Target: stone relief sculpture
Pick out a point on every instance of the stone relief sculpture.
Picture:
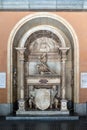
(43, 45)
(43, 87)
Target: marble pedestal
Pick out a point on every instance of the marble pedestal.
(21, 105)
(50, 112)
(64, 105)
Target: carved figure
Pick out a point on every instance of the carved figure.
(31, 102)
(56, 102)
(43, 67)
(43, 58)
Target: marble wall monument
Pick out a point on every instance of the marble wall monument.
(41, 75)
(43, 61)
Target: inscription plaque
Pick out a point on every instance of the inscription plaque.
(84, 80)
(2, 80)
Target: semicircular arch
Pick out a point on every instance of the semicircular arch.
(68, 30)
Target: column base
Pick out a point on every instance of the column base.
(21, 105)
(64, 105)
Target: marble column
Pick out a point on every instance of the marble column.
(63, 76)
(20, 56)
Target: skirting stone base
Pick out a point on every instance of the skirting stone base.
(81, 109)
(42, 113)
(6, 109)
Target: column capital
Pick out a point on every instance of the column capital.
(20, 51)
(63, 51)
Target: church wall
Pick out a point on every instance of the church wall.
(78, 20)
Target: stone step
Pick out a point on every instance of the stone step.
(43, 118)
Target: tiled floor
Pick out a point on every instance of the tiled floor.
(80, 124)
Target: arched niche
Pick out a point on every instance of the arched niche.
(43, 21)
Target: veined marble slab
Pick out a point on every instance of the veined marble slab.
(43, 80)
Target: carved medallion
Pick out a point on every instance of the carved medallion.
(42, 98)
